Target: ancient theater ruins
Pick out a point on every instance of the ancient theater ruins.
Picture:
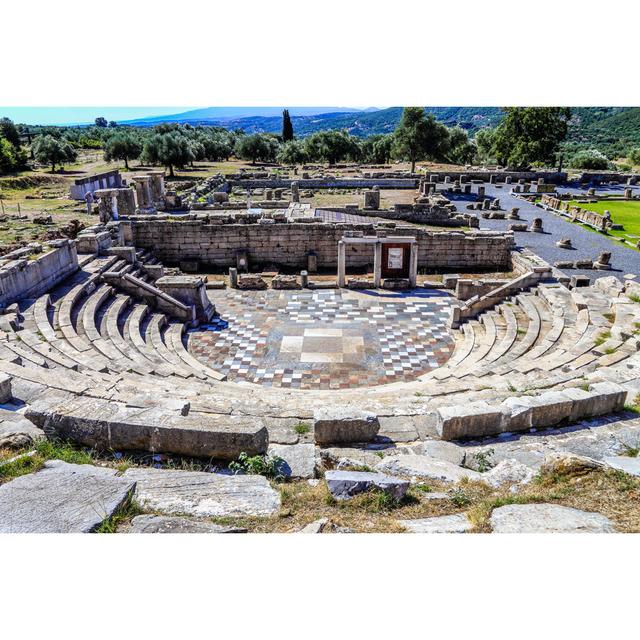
(429, 324)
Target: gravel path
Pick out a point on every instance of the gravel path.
(587, 244)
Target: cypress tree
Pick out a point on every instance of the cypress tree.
(287, 127)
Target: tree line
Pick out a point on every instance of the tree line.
(525, 137)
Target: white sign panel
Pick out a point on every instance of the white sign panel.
(394, 258)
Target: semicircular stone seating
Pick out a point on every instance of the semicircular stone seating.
(96, 365)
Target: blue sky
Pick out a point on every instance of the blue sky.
(82, 115)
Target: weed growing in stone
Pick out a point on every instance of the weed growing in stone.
(268, 466)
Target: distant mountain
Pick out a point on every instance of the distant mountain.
(308, 120)
(606, 128)
(220, 114)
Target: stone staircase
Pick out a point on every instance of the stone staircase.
(108, 369)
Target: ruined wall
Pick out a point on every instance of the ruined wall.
(591, 218)
(31, 278)
(211, 243)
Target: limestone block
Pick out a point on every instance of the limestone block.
(298, 460)
(458, 523)
(547, 518)
(335, 424)
(5, 388)
(425, 467)
(62, 498)
(475, 419)
(170, 524)
(203, 494)
(346, 484)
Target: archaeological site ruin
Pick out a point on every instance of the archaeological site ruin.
(369, 346)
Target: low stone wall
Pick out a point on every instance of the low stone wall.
(107, 180)
(211, 242)
(326, 183)
(522, 413)
(593, 219)
(554, 177)
(421, 214)
(30, 278)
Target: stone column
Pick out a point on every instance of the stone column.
(377, 264)
(295, 192)
(233, 277)
(413, 265)
(341, 264)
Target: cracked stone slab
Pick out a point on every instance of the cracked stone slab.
(624, 463)
(62, 498)
(547, 518)
(426, 467)
(458, 523)
(197, 493)
(346, 484)
(170, 524)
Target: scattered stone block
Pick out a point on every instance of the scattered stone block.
(508, 471)
(458, 523)
(547, 518)
(317, 526)
(346, 484)
(169, 524)
(475, 419)
(336, 424)
(202, 494)
(62, 498)
(298, 460)
(425, 467)
(5, 388)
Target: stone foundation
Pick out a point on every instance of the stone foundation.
(174, 240)
(32, 277)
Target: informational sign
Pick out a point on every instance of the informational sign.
(394, 258)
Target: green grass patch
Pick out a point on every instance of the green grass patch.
(622, 212)
(602, 338)
(125, 514)
(44, 450)
(301, 428)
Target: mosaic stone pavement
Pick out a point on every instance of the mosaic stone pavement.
(331, 339)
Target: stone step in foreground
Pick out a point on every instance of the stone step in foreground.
(458, 523)
(105, 424)
(196, 493)
(62, 498)
(547, 518)
(170, 524)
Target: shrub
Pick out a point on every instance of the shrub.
(590, 159)
(258, 465)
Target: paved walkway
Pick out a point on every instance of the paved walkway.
(587, 244)
(333, 339)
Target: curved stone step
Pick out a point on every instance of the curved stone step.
(174, 336)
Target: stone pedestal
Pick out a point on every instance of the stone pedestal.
(377, 264)
(233, 277)
(372, 198)
(191, 291)
(341, 263)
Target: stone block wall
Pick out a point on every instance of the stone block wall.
(33, 277)
(574, 212)
(288, 244)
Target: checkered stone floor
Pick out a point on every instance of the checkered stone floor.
(330, 339)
